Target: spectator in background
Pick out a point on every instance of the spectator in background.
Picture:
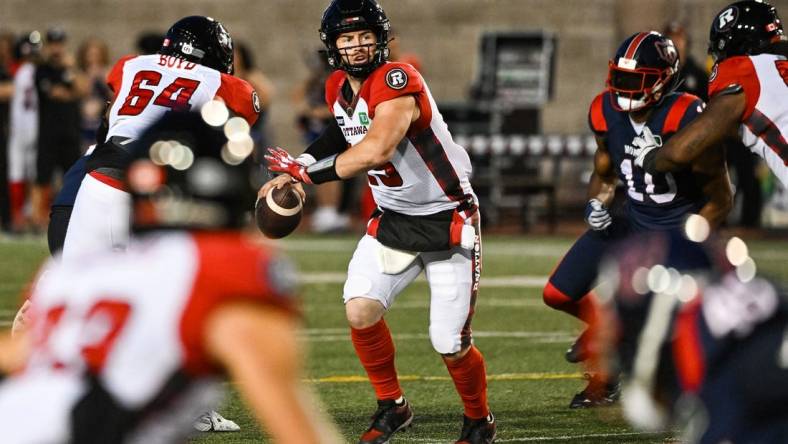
(23, 127)
(6, 92)
(743, 162)
(397, 55)
(313, 117)
(246, 69)
(60, 89)
(93, 62)
(694, 76)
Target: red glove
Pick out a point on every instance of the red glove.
(281, 161)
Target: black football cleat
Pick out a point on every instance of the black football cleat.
(388, 419)
(578, 352)
(477, 431)
(598, 393)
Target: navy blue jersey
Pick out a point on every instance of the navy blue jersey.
(656, 202)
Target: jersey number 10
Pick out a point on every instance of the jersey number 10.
(638, 195)
(175, 96)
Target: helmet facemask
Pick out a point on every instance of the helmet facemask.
(637, 88)
(337, 57)
(343, 16)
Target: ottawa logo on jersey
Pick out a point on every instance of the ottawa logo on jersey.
(396, 79)
(256, 102)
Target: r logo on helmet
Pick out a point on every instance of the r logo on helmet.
(727, 18)
(396, 79)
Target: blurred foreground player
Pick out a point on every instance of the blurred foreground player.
(386, 125)
(702, 343)
(194, 66)
(639, 98)
(133, 350)
(748, 91)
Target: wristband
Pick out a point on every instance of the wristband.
(324, 170)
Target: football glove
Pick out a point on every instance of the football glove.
(597, 216)
(644, 144)
(281, 161)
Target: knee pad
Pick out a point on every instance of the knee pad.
(445, 342)
(356, 286)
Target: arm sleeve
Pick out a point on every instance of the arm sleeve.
(240, 97)
(331, 142)
(115, 76)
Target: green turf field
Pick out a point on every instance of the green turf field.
(523, 341)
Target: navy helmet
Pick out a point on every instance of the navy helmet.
(185, 174)
(201, 40)
(643, 71)
(355, 15)
(744, 28)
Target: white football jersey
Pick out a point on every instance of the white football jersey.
(764, 128)
(24, 103)
(131, 330)
(148, 86)
(429, 171)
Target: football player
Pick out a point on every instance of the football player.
(133, 350)
(639, 98)
(748, 90)
(386, 125)
(702, 343)
(193, 66)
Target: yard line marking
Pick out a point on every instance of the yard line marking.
(530, 376)
(553, 438)
(525, 281)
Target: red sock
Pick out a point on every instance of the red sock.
(470, 379)
(375, 350)
(583, 309)
(16, 192)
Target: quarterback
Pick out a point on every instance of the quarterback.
(386, 125)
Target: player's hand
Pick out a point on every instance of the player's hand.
(279, 182)
(597, 216)
(644, 144)
(281, 161)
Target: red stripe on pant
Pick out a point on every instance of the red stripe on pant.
(16, 191)
(375, 349)
(470, 378)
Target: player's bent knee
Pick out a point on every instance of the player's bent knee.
(554, 297)
(445, 344)
(362, 312)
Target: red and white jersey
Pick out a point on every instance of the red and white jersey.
(148, 86)
(764, 129)
(133, 327)
(429, 171)
(24, 103)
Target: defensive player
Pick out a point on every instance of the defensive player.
(702, 348)
(387, 126)
(748, 90)
(639, 98)
(193, 66)
(131, 351)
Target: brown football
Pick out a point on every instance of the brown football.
(279, 213)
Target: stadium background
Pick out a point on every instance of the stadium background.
(530, 384)
(443, 33)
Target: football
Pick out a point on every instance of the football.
(279, 213)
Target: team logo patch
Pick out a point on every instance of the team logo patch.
(713, 74)
(396, 78)
(727, 19)
(256, 102)
(363, 118)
